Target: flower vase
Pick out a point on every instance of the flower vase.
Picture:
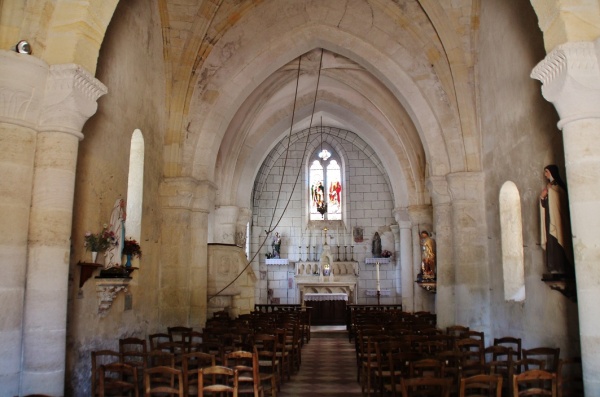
(94, 256)
(128, 263)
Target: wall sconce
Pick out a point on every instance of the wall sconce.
(23, 47)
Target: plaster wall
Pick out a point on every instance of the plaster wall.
(520, 137)
(130, 65)
(369, 204)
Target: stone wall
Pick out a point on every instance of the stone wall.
(369, 205)
(520, 137)
(130, 65)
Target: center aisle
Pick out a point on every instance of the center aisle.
(328, 368)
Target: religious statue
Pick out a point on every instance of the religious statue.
(376, 249)
(428, 259)
(276, 244)
(555, 223)
(117, 228)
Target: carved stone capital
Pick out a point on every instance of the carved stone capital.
(570, 77)
(438, 190)
(70, 100)
(22, 86)
(187, 193)
(420, 214)
(401, 215)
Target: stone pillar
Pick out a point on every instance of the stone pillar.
(183, 260)
(244, 216)
(397, 285)
(445, 271)
(70, 99)
(22, 82)
(225, 226)
(571, 81)
(472, 298)
(404, 259)
(420, 218)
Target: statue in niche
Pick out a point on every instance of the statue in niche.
(428, 259)
(117, 230)
(276, 244)
(376, 246)
(555, 225)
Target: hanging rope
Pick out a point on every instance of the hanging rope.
(271, 227)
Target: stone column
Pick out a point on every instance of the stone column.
(469, 237)
(225, 226)
(420, 218)
(22, 82)
(404, 259)
(442, 219)
(397, 284)
(244, 216)
(186, 203)
(571, 81)
(70, 99)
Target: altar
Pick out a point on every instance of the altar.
(326, 294)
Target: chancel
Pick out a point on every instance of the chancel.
(268, 153)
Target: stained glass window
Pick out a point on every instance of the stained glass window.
(325, 177)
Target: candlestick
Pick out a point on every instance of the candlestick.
(307, 253)
(300, 253)
(378, 285)
(338, 253)
(345, 256)
(352, 253)
(315, 253)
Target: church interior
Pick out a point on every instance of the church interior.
(268, 152)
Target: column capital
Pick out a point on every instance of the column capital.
(401, 214)
(438, 190)
(188, 193)
(420, 214)
(570, 77)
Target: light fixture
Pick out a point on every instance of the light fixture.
(23, 47)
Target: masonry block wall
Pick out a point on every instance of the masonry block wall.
(369, 204)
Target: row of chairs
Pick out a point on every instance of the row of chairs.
(387, 346)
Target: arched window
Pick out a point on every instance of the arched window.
(512, 243)
(325, 181)
(135, 186)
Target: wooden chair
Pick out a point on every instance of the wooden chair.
(570, 377)
(161, 380)
(499, 361)
(426, 386)
(399, 368)
(134, 352)
(456, 330)
(208, 378)
(511, 342)
(191, 363)
(158, 339)
(246, 363)
(118, 379)
(550, 356)
(481, 386)
(472, 351)
(283, 354)
(268, 362)
(535, 382)
(470, 334)
(99, 358)
(427, 367)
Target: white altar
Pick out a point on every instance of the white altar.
(339, 284)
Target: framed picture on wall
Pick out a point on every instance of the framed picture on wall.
(357, 234)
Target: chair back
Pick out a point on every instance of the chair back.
(481, 386)
(570, 377)
(550, 356)
(511, 342)
(218, 379)
(160, 380)
(118, 379)
(99, 358)
(426, 386)
(247, 366)
(191, 363)
(535, 382)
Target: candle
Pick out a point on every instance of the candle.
(378, 285)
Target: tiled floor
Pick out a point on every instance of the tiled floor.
(328, 367)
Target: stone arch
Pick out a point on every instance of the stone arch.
(212, 118)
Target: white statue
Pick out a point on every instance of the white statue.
(117, 228)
